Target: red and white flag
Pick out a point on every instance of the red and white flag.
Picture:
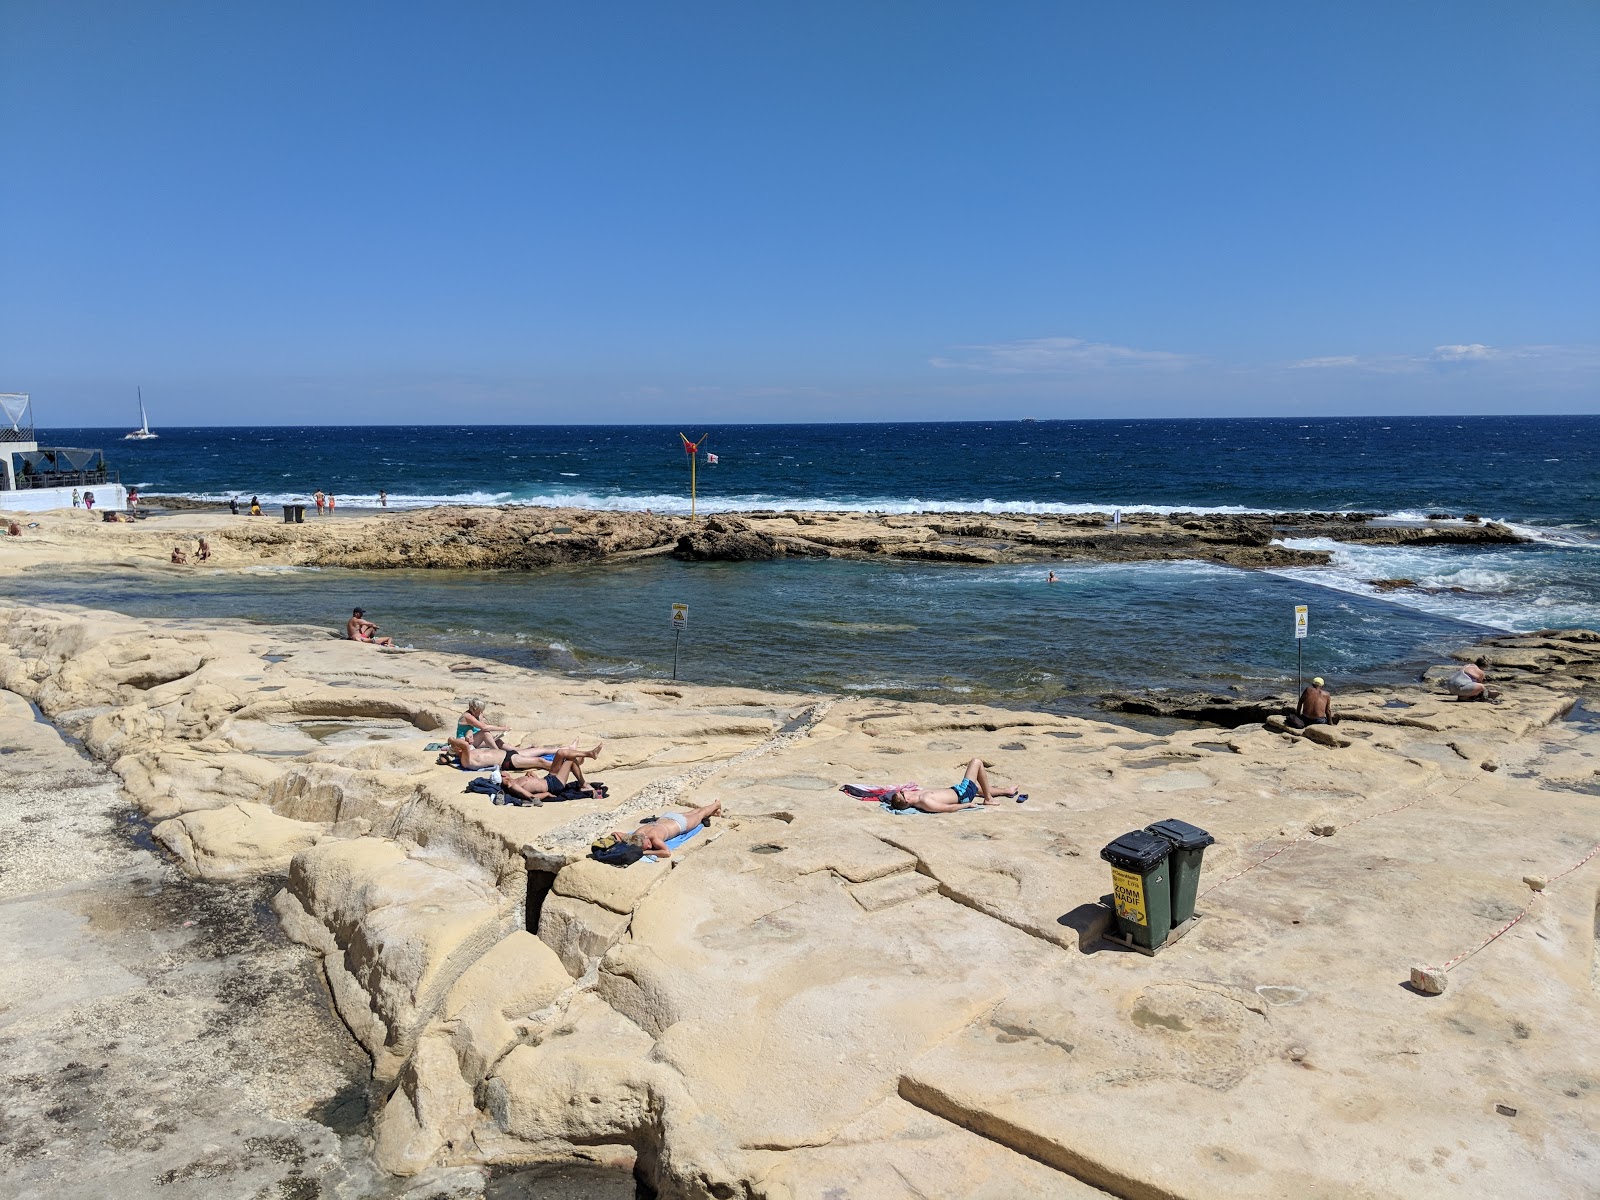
(711, 458)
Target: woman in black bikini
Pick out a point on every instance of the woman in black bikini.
(517, 758)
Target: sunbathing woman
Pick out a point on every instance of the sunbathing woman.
(516, 758)
(973, 785)
(537, 785)
(653, 838)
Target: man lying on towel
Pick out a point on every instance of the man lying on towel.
(973, 788)
(652, 838)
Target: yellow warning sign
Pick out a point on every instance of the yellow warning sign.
(1128, 889)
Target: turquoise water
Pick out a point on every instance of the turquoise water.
(938, 632)
(916, 631)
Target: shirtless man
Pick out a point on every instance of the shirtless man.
(204, 552)
(973, 785)
(1470, 683)
(1315, 707)
(178, 556)
(521, 758)
(652, 838)
(359, 629)
(320, 500)
(536, 785)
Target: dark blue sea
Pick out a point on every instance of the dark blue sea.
(938, 632)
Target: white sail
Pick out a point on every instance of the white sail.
(143, 432)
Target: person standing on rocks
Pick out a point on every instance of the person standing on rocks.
(1315, 707)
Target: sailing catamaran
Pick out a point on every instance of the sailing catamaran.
(143, 432)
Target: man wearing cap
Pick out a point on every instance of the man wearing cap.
(1315, 707)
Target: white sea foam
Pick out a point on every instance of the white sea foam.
(1511, 589)
(678, 504)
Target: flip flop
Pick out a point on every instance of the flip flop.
(1021, 796)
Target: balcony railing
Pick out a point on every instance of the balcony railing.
(22, 434)
(55, 479)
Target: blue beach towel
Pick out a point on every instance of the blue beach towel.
(674, 842)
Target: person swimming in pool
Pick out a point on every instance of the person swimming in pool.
(973, 788)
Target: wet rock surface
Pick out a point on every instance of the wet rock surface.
(160, 1035)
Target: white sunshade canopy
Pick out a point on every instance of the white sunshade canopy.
(14, 405)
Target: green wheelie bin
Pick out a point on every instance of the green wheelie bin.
(1141, 894)
(1189, 844)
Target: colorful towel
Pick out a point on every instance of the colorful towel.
(871, 793)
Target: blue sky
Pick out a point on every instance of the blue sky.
(525, 212)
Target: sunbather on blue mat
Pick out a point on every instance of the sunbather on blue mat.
(657, 837)
(972, 788)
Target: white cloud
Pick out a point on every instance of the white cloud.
(1472, 352)
(1330, 360)
(1055, 355)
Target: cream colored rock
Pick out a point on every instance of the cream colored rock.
(824, 995)
(236, 841)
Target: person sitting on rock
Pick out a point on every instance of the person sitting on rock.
(359, 629)
(517, 758)
(478, 732)
(973, 786)
(536, 786)
(1315, 707)
(1470, 683)
(178, 556)
(652, 836)
(204, 552)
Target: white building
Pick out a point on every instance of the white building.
(38, 478)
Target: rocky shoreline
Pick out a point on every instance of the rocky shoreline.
(520, 538)
(822, 995)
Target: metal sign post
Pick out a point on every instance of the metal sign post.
(680, 622)
(1302, 624)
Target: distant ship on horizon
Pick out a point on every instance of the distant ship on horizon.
(143, 432)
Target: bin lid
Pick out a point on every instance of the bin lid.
(1137, 850)
(1181, 834)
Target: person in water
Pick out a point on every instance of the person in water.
(383, 499)
(1052, 578)
(973, 787)
(1315, 707)
(359, 629)
(558, 759)
(652, 836)
(1470, 683)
